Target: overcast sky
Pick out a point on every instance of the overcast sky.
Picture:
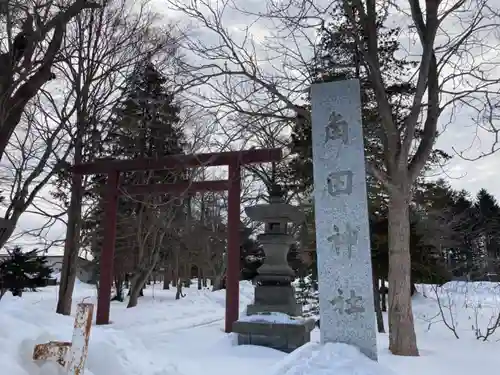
(459, 135)
(465, 174)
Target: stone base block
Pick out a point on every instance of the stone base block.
(284, 337)
(274, 298)
(276, 295)
(294, 309)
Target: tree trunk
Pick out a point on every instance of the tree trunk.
(402, 338)
(9, 230)
(178, 293)
(119, 289)
(7, 129)
(383, 295)
(166, 278)
(217, 283)
(175, 275)
(378, 310)
(200, 278)
(218, 279)
(186, 272)
(141, 291)
(137, 285)
(72, 244)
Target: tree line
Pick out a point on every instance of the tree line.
(453, 237)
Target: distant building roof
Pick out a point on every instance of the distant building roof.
(4, 254)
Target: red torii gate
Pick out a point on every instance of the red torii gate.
(233, 159)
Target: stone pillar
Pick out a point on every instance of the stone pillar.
(342, 227)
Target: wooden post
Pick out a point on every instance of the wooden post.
(233, 247)
(70, 355)
(80, 342)
(108, 250)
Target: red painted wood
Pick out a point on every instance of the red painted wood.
(108, 250)
(180, 161)
(233, 247)
(177, 188)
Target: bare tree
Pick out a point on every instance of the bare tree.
(101, 48)
(39, 28)
(265, 133)
(153, 222)
(211, 234)
(488, 124)
(36, 152)
(446, 79)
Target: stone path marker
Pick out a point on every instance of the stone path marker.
(341, 209)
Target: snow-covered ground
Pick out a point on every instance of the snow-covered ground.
(163, 336)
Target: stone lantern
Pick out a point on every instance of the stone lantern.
(274, 319)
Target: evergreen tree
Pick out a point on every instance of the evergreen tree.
(146, 125)
(465, 259)
(307, 286)
(428, 264)
(147, 121)
(488, 217)
(452, 222)
(338, 58)
(252, 255)
(23, 270)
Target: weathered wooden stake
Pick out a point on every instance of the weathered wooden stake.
(70, 355)
(80, 341)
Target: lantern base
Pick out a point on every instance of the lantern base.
(275, 298)
(289, 309)
(274, 279)
(284, 337)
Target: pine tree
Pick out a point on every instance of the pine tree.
(453, 220)
(465, 256)
(23, 270)
(146, 125)
(147, 120)
(488, 215)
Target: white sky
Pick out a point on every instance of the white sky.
(460, 134)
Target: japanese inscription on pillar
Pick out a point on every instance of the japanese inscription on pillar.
(345, 241)
(339, 183)
(342, 228)
(337, 128)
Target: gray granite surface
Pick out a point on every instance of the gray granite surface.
(342, 227)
